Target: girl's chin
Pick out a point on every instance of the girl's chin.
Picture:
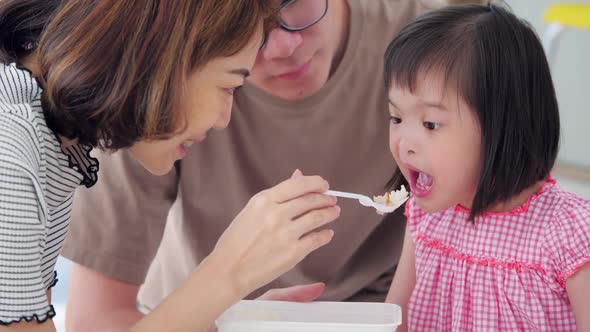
(429, 206)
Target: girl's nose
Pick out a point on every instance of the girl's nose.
(406, 146)
(281, 44)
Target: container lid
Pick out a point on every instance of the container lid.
(314, 313)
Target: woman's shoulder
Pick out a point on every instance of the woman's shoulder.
(18, 88)
(28, 136)
(22, 123)
(20, 96)
(20, 103)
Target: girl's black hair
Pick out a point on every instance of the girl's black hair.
(21, 25)
(499, 67)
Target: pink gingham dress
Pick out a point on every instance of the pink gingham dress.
(505, 273)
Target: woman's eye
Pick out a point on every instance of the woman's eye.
(431, 125)
(395, 120)
(231, 91)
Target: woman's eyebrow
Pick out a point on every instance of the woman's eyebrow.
(242, 72)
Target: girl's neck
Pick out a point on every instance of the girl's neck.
(519, 199)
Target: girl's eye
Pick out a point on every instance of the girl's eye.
(396, 120)
(431, 125)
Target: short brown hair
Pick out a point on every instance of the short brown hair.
(113, 70)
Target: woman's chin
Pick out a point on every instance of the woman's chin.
(157, 168)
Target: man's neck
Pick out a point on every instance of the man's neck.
(343, 25)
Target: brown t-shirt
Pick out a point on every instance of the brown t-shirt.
(340, 133)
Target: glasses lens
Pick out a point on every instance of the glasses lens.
(301, 14)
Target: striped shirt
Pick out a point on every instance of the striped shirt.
(37, 181)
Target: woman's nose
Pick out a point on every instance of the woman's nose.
(223, 120)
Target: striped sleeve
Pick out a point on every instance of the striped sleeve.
(22, 229)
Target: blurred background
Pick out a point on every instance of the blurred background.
(571, 73)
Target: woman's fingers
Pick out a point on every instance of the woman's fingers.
(297, 174)
(313, 241)
(314, 220)
(295, 187)
(301, 293)
(303, 204)
(277, 229)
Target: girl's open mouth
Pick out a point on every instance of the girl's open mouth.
(421, 183)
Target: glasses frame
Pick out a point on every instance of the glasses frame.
(286, 27)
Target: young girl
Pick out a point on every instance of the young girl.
(493, 243)
(152, 77)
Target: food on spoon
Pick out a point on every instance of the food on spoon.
(393, 199)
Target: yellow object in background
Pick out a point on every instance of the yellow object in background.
(462, 2)
(574, 15)
(561, 16)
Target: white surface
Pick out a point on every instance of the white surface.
(59, 293)
(311, 317)
(571, 76)
(579, 188)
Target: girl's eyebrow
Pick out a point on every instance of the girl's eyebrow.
(394, 105)
(436, 105)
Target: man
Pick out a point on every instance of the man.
(315, 101)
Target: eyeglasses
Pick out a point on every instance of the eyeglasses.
(297, 15)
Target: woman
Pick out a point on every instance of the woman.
(152, 77)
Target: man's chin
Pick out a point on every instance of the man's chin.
(307, 87)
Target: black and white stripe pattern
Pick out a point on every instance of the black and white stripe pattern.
(37, 181)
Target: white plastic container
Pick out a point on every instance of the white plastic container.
(276, 316)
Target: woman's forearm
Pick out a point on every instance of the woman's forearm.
(195, 305)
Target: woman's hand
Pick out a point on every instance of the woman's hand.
(301, 293)
(275, 231)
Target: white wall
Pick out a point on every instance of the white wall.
(571, 74)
